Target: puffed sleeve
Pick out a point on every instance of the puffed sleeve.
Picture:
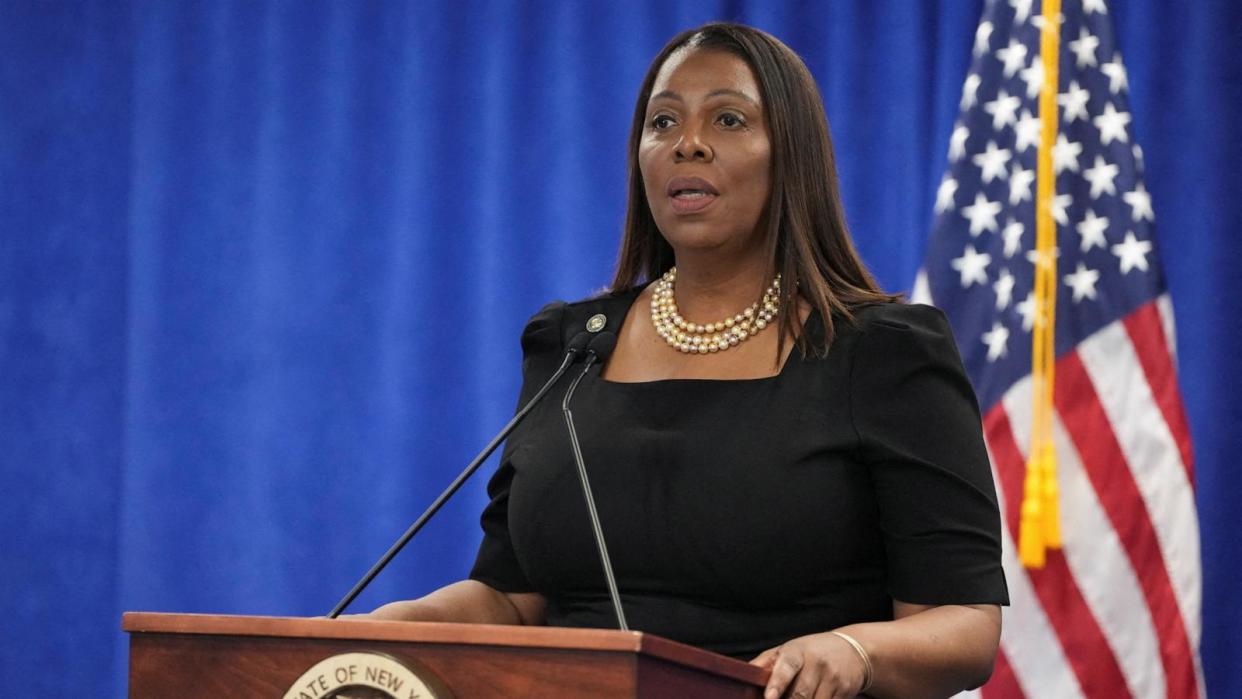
(496, 564)
(919, 431)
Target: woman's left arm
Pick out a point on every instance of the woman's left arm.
(926, 651)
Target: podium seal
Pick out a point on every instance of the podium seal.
(361, 676)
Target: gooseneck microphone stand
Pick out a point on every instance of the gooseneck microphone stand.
(600, 348)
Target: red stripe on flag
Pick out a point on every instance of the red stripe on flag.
(1105, 464)
(1010, 463)
(1086, 648)
(1003, 684)
(1152, 347)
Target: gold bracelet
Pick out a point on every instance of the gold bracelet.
(868, 671)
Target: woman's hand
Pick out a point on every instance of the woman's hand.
(819, 666)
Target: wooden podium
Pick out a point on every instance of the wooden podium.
(189, 655)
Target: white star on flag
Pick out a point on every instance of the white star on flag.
(1112, 125)
(944, 194)
(957, 142)
(1091, 229)
(1012, 232)
(992, 163)
(1060, 203)
(1091, 6)
(970, 91)
(1132, 253)
(1004, 289)
(1038, 259)
(1065, 154)
(1038, 21)
(997, 340)
(1116, 73)
(1020, 184)
(1004, 109)
(982, 214)
(1140, 203)
(1074, 102)
(1084, 48)
(1033, 77)
(1027, 130)
(1013, 56)
(1021, 10)
(1101, 177)
(1026, 309)
(1082, 282)
(972, 266)
(982, 36)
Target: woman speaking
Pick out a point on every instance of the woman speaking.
(788, 462)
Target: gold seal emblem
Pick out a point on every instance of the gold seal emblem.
(597, 322)
(361, 676)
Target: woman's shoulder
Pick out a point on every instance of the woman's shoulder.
(898, 332)
(552, 326)
(898, 315)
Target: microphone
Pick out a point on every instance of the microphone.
(577, 348)
(599, 349)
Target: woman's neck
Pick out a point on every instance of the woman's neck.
(710, 288)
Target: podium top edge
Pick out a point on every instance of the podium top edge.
(606, 640)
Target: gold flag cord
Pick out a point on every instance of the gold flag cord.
(1040, 525)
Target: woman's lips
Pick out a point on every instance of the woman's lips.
(690, 195)
(691, 202)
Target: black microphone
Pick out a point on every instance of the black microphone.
(576, 349)
(599, 350)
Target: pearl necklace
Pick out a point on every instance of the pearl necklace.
(713, 337)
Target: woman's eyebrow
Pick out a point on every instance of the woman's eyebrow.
(666, 95)
(670, 95)
(733, 93)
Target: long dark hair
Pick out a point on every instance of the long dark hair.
(807, 240)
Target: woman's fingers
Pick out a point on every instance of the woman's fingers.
(811, 667)
(788, 664)
(766, 658)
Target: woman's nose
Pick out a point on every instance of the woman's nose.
(692, 146)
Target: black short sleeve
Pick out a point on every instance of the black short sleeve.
(496, 564)
(919, 432)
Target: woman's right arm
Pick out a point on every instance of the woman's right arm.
(468, 602)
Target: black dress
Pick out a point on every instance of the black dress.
(742, 513)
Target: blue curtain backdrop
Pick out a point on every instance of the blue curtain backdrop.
(263, 267)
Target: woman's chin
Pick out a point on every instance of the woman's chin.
(705, 238)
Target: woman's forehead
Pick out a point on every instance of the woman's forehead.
(695, 72)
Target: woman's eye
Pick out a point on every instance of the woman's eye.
(661, 121)
(730, 120)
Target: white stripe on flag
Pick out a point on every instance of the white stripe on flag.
(1153, 458)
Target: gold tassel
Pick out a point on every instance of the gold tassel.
(1040, 525)
(1031, 531)
(1050, 498)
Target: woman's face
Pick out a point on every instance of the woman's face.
(704, 153)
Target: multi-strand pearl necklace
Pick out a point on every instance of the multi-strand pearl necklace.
(689, 337)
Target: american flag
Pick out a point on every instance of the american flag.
(1116, 611)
